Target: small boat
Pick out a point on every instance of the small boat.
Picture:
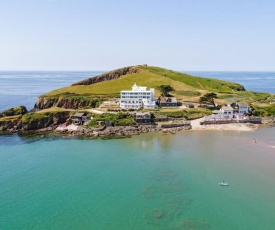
(223, 184)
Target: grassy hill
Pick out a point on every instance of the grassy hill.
(91, 92)
(152, 77)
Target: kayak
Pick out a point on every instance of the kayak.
(223, 184)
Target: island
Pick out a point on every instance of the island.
(141, 98)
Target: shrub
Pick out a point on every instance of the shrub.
(265, 111)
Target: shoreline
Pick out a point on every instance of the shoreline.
(128, 131)
(62, 127)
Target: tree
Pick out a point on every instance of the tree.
(165, 89)
(208, 98)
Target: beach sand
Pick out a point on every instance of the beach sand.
(232, 127)
(63, 127)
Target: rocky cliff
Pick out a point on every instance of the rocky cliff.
(115, 74)
(33, 121)
(69, 101)
(20, 110)
(10, 123)
(45, 102)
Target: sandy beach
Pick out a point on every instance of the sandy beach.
(231, 127)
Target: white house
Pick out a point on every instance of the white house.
(235, 110)
(243, 108)
(227, 111)
(138, 97)
(224, 112)
(217, 114)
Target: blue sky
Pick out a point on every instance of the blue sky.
(183, 35)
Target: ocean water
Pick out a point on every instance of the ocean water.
(252, 81)
(23, 88)
(151, 181)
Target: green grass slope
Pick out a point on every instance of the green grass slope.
(209, 84)
(152, 77)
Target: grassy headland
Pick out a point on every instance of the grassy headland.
(90, 93)
(57, 106)
(187, 87)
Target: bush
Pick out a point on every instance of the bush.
(265, 111)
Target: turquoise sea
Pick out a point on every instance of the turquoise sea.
(150, 181)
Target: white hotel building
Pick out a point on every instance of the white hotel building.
(138, 97)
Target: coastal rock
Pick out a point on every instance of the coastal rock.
(45, 102)
(115, 74)
(33, 121)
(268, 120)
(72, 102)
(7, 123)
(20, 110)
(114, 131)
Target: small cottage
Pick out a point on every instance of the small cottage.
(167, 102)
(227, 111)
(243, 108)
(240, 108)
(143, 118)
(80, 118)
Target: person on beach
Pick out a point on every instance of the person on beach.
(255, 140)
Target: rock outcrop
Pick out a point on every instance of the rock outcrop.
(268, 120)
(20, 110)
(45, 102)
(67, 103)
(115, 74)
(119, 131)
(10, 124)
(33, 121)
